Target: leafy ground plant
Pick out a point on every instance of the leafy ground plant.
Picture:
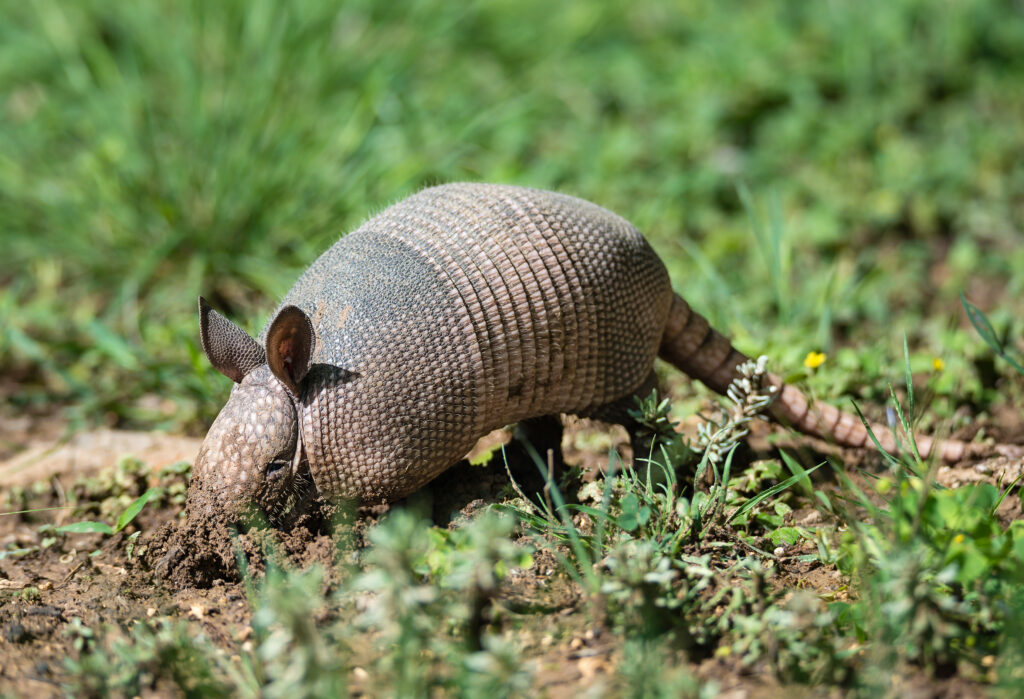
(123, 520)
(938, 574)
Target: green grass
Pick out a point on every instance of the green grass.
(817, 175)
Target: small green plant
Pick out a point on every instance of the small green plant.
(936, 571)
(797, 635)
(82, 636)
(429, 595)
(152, 658)
(653, 669)
(122, 521)
(293, 653)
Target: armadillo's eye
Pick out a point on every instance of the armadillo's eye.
(277, 465)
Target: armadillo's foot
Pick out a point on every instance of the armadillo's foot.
(171, 559)
(532, 460)
(536, 458)
(624, 412)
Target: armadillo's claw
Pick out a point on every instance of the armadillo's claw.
(169, 561)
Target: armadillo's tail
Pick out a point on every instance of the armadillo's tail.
(692, 345)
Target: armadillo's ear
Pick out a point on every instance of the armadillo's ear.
(290, 342)
(229, 348)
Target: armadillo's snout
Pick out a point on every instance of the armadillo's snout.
(252, 454)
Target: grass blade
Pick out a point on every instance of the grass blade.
(798, 470)
(134, 509)
(1004, 493)
(86, 528)
(871, 433)
(981, 324)
(988, 333)
(910, 384)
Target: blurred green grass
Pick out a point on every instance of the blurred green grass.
(817, 175)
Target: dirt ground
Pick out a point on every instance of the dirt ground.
(48, 580)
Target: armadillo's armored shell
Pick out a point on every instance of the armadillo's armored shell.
(461, 309)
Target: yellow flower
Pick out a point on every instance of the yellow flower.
(813, 360)
(938, 364)
(959, 539)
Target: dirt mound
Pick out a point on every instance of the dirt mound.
(202, 551)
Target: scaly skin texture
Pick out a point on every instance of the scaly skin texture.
(461, 309)
(257, 426)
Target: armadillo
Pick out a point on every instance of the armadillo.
(464, 308)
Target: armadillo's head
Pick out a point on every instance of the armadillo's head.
(252, 457)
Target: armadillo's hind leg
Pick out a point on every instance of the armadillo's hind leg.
(537, 453)
(619, 412)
